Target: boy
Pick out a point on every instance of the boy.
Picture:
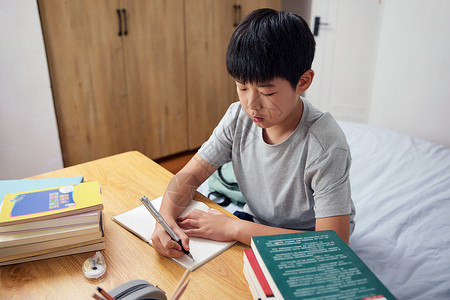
(291, 161)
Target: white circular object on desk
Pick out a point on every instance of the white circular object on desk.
(93, 270)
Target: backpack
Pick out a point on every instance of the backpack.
(223, 183)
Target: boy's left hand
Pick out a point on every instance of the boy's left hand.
(212, 225)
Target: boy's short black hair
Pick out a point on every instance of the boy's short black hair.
(268, 44)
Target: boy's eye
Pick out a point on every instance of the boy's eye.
(267, 95)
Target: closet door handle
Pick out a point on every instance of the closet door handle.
(125, 22)
(237, 14)
(240, 14)
(120, 22)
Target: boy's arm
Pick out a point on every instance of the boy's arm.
(177, 196)
(340, 224)
(218, 226)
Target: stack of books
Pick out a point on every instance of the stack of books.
(44, 218)
(309, 265)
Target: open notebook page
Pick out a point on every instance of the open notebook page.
(140, 222)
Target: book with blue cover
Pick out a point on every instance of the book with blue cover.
(24, 185)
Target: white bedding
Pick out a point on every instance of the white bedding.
(401, 190)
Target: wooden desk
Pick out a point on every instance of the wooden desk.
(124, 179)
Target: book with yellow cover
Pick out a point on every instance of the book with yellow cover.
(50, 203)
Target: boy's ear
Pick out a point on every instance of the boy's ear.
(305, 81)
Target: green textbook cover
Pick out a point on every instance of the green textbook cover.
(315, 265)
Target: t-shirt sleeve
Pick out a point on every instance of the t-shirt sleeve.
(329, 179)
(218, 148)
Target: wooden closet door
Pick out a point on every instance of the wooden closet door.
(156, 75)
(209, 25)
(248, 6)
(87, 74)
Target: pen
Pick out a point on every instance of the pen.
(105, 294)
(163, 223)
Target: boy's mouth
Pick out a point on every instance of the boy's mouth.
(256, 119)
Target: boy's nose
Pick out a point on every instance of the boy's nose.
(254, 101)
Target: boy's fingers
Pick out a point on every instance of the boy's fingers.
(168, 243)
(184, 239)
(168, 247)
(165, 245)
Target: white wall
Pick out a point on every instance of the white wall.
(28, 130)
(411, 91)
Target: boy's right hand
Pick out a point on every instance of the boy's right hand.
(165, 245)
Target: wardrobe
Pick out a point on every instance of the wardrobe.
(146, 75)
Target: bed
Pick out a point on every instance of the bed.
(401, 190)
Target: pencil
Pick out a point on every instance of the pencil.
(105, 294)
(183, 278)
(97, 297)
(181, 290)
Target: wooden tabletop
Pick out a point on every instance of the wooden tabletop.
(124, 178)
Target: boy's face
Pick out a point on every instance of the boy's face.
(270, 104)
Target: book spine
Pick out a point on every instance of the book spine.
(72, 220)
(14, 252)
(250, 256)
(276, 292)
(95, 246)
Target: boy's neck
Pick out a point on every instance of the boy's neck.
(279, 133)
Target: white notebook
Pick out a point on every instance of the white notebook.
(140, 222)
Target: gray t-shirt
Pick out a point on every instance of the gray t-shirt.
(289, 184)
